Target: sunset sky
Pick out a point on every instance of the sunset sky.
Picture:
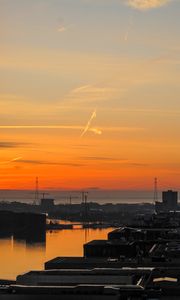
(89, 93)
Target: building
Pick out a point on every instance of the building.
(79, 292)
(170, 199)
(110, 248)
(95, 276)
(28, 226)
(77, 262)
(96, 284)
(169, 202)
(47, 204)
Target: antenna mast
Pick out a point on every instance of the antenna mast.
(155, 190)
(37, 191)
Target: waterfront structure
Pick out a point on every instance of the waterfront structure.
(28, 226)
(134, 263)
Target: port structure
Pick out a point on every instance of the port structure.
(84, 198)
(36, 199)
(155, 190)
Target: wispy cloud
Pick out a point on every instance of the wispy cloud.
(81, 88)
(62, 29)
(146, 4)
(93, 188)
(10, 145)
(123, 129)
(92, 93)
(42, 162)
(114, 160)
(71, 164)
(136, 164)
(101, 158)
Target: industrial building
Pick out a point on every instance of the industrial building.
(169, 202)
(47, 204)
(110, 248)
(97, 283)
(28, 226)
(133, 263)
(81, 263)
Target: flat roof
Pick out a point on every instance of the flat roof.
(121, 229)
(108, 242)
(76, 259)
(93, 271)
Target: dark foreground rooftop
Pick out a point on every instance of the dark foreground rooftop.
(102, 262)
(98, 283)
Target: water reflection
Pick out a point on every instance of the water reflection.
(31, 238)
(17, 256)
(21, 255)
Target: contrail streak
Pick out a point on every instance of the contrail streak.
(93, 116)
(88, 128)
(10, 161)
(72, 127)
(95, 130)
(16, 159)
(39, 127)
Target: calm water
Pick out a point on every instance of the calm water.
(100, 196)
(17, 257)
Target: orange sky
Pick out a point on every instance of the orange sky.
(89, 102)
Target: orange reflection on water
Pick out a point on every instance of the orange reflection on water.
(17, 257)
(70, 242)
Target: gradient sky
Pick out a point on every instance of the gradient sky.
(90, 93)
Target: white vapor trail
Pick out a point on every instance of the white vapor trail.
(16, 159)
(87, 128)
(93, 116)
(11, 161)
(95, 130)
(70, 127)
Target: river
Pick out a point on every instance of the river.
(17, 256)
